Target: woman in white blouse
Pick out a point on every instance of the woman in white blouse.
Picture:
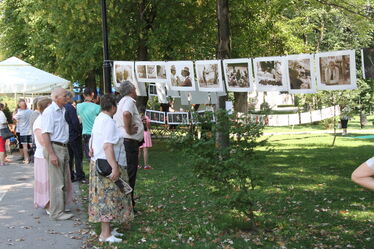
(107, 203)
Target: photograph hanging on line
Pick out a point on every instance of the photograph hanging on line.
(150, 71)
(178, 118)
(180, 75)
(122, 71)
(238, 75)
(209, 76)
(300, 74)
(270, 74)
(367, 56)
(336, 70)
(152, 89)
(155, 116)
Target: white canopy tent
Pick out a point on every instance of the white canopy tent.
(17, 76)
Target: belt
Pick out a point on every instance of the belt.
(58, 143)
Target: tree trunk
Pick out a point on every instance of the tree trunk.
(223, 52)
(241, 102)
(91, 80)
(146, 17)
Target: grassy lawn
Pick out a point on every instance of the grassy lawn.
(305, 200)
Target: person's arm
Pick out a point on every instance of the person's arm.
(148, 124)
(109, 154)
(48, 146)
(38, 135)
(128, 125)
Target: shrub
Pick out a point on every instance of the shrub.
(230, 170)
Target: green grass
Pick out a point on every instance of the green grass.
(305, 200)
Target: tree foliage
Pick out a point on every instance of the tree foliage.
(64, 37)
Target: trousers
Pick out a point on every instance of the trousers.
(132, 152)
(58, 180)
(75, 158)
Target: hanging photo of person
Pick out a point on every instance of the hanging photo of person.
(238, 75)
(141, 72)
(161, 72)
(155, 116)
(367, 55)
(152, 89)
(336, 70)
(300, 74)
(270, 74)
(180, 75)
(122, 71)
(209, 76)
(178, 118)
(150, 71)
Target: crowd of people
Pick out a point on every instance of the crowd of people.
(56, 134)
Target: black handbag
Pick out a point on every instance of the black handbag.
(103, 167)
(6, 133)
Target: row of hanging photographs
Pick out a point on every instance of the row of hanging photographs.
(175, 118)
(294, 73)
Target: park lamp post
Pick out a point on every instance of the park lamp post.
(107, 63)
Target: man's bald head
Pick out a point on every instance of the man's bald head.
(58, 95)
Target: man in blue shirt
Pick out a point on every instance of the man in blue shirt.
(75, 140)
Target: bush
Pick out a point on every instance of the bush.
(230, 171)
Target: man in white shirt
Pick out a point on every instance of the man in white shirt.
(55, 131)
(128, 120)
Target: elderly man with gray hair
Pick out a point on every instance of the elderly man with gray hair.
(128, 120)
(55, 133)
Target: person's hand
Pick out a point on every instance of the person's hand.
(54, 160)
(114, 175)
(90, 152)
(134, 130)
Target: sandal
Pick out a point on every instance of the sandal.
(148, 167)
(116, 233)
(110, 239)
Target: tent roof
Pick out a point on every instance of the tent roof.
(17, 76)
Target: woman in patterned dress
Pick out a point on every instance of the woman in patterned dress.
(107, 203)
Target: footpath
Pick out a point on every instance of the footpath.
(338, 132)
(23, 226)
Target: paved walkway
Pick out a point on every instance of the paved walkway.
(23, 226)
(338, 131)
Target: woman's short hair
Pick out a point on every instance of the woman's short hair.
(107, 101)
(1, 106)
(43, 103)
(125, 88)
(70, 94)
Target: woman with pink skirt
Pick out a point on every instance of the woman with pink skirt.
(147, 142)
(41, 184)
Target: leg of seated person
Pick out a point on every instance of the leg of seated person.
(363, 176)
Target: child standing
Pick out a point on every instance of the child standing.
(147, 141)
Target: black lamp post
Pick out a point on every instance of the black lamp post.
(106, 64)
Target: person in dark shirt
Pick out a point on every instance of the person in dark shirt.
(75, 140)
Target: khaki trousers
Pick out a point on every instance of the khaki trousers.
(57, 180)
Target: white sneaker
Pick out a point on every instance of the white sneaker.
(48, 213)
(110, 239)
(116, 233)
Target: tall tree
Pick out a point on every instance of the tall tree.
(223, 52)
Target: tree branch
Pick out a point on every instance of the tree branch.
(324, 2)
